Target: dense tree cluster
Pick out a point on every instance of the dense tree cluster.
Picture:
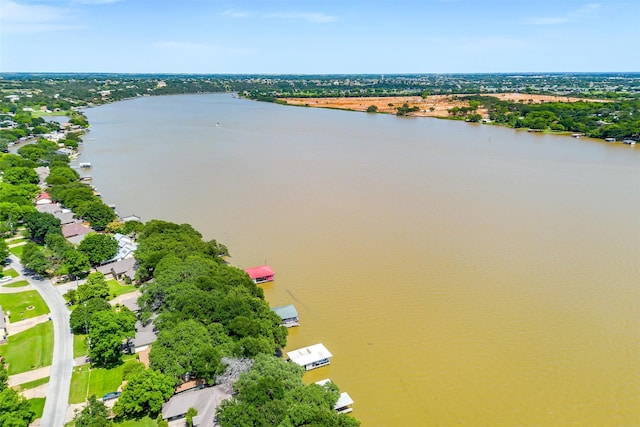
(618, 119)
(15, 410)
(272, 394)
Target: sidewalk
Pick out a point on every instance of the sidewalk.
(28, 376)
(17, 327)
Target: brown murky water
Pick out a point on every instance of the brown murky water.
(459, 274)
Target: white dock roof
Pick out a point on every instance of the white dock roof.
(307, 355)
(343, 400)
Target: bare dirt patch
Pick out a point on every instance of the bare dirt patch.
(432, 106)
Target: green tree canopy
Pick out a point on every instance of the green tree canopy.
(272, 393)
(39, 224)
(95, 287)
(95, 414)
(107, 334)
(96, 212)
(144, 393)
(80, 317)
(186, 350)
(98, 247)
(20, 175)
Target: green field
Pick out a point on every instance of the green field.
(142, 422)
(80, 345)
(86, 381)
(10, 272)
(17, 250)
(116, 289)
(18, 284)
(33, 384)
(17, 304)
(37, 405)
(30, 349)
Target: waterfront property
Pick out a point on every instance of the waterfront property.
(205, 401)
(343, 405)
(260, 274)
(288, 314)
(312, 357)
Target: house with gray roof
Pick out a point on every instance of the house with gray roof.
(288, 314)
(124, 268)
(205, 401)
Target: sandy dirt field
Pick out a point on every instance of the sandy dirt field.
(432, 106)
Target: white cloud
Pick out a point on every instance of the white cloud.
(586, 10)
(318, 18)
(235, 13)
(581, 13)
(30, 18)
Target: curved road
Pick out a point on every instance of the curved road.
(55, 407)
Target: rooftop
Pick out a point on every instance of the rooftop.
(286, 311)
(262, 271)
(307, 355)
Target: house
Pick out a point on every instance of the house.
(311, 357)
(122, 269)
(75, 229)
(343, 405)
(3, 327)
(126, 246)
(63, 214)
(260, 274)
(288, 314)
(131, 218)
(205, 401)
(43, 199)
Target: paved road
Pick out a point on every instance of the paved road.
(55, 407)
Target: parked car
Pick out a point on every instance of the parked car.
(5, 279)
(112, 395)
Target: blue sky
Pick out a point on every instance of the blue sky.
(319, 37)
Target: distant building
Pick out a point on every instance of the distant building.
(343, 405)
(43, 199)
(260, 274)
(312, 357)
(288, 314)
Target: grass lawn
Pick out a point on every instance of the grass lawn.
(16, 240)
(17, 250)
(17, 304)
(99, 381)
(18, 284)
(80, 345)
(29, 349)
(10, 272)
(142, 422)
(33, 384)
(116, 289)
(37, 405)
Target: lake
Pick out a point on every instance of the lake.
(460, 274)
